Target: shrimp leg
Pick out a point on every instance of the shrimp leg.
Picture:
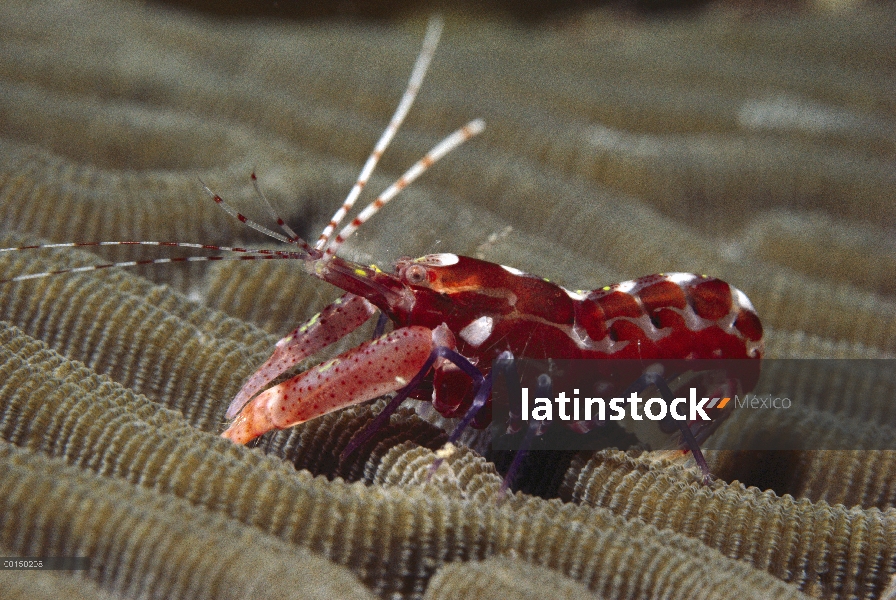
(374, 368)
(333, 323)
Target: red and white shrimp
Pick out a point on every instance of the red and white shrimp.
(454, 315)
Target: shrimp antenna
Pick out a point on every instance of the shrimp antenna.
(244, 254)
(283, 225)
(433, 32)
(441, 149)
(431, 40)
(294, 239)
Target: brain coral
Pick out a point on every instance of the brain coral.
(756, 148)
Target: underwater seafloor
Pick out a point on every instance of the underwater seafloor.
(757, 148)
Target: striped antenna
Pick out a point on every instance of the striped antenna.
(283, 225)
(433, 32)
(253, 254)
(297, 241)
(441, 149)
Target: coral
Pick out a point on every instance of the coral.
(501, 577)
(379, 532)
(757, 150)
(138, 541)
(826, 550)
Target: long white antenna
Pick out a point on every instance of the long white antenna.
(441, 149)
(433, 32)
(325, 243)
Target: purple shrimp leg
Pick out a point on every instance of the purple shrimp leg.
(687, 436)
(380, 328)
(536, 428)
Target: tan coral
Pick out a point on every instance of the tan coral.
(824, 549)
(615, 148)
(135, 539)
(500, 578)
(379, 533)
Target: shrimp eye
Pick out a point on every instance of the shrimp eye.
(416, 275)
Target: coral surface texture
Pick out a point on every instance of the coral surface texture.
(759, 148)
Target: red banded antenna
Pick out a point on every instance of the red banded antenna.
(441, 149)
(244, 254)
(430, 41)
(326, 246)
(293, 239)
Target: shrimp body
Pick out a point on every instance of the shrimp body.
(481, 310)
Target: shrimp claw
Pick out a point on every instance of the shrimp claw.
(334, 322)
(374, 368)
